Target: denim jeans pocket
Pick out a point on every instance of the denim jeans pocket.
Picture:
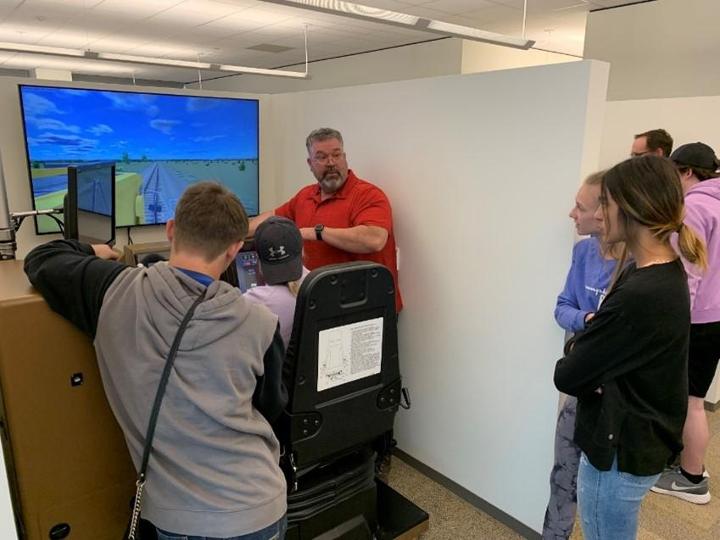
(634, 488)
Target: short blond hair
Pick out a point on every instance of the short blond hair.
(595, 179)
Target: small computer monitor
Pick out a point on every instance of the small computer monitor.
(90, 203)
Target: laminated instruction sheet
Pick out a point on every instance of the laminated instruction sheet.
(348, 353)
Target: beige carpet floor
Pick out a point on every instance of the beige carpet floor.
(661, 517)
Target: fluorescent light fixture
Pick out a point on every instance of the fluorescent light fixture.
(78, 65)
(148, 60)
(40, 49)
(384, 16)
(350, 9)
(260, 71)
(467, 32)
(132, 59)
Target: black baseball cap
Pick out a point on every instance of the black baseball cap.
(279, 247)
(697, 154)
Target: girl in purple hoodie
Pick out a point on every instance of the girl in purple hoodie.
(593, 264)
(698, 166)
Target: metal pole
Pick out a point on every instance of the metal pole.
(8, 246)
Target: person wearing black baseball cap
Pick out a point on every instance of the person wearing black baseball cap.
(278, 243)
(697, 164)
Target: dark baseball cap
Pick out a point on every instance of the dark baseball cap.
(697, 154)
(279, 246)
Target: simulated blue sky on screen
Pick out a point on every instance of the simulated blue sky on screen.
(94, 125)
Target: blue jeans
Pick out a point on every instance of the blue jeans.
(609, 501)
(276, 531)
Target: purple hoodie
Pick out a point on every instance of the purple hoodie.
(702, 214)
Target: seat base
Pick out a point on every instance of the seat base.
(377, 512)
(399, 518)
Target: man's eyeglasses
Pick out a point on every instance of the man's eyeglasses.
(323, 159)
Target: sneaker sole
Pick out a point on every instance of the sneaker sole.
(689, 497)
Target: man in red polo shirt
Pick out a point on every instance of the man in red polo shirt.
(342, 218)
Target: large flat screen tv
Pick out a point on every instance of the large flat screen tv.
(160, 143)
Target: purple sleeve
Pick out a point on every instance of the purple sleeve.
(567, 308)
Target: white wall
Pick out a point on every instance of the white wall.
(478, 57)
(441, 57)
(8, 531)
(667, 48)
(14, 163)
(686, 119)
(481, 170)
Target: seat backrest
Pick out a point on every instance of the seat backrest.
(341, 368)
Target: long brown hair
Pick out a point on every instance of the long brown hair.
(647, 191)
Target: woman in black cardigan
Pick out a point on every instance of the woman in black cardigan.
(629, 369)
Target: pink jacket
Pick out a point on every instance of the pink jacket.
(702, 214)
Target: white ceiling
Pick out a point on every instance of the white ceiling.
(221, 31)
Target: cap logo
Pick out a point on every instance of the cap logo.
(277, 254)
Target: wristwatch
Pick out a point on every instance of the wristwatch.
(319, 228)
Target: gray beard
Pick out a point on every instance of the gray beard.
(331, 185)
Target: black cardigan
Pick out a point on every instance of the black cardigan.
(635, 350)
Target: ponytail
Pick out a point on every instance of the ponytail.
(691, 247)
(293, 287)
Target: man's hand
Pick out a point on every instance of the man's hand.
(589, 317)
(105, 252)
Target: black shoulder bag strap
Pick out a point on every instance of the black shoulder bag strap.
(140, 482)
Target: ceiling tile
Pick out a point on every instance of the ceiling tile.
(22, 33)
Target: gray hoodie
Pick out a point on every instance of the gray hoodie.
(214, 467)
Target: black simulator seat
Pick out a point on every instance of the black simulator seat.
(344, 387)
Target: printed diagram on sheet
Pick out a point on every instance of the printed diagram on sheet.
(348, 353)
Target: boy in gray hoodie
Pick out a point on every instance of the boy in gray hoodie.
(213, 470)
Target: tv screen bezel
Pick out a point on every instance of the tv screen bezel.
(149, 90)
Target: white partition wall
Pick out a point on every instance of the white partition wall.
(687, 119)
(481, 171)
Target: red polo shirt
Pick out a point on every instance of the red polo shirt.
(357, 202)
